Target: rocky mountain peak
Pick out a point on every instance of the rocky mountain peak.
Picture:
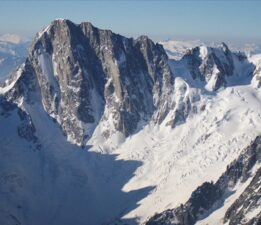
(95, 88)
(225, 48)
(95, 82)
(90, 79)
(216, 66)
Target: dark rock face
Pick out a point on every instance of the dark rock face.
(206, 197)
(26, 129)
(89, 79)
(6, 106)
(200, 201)
(85, 75)
(257, 77)
(249, 201)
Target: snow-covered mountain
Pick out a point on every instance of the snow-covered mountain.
(13, 52)
(103, 129)
(176, 49)
(13, 38)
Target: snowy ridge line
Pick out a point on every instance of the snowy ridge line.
(7, 87)
(114, 130)
(176, 49)
(176, 160)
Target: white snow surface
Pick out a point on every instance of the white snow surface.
(59, 180)
(177, 48)
(151, 171)
(217, 217)
(176, 161)
(254, 213)
(8, 86)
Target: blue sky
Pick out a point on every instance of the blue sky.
(209, 20)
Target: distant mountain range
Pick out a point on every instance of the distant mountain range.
(177, 48)
(13, 52)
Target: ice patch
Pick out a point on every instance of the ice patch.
(203, 51)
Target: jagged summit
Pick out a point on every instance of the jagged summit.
(95, 82)
(217, 67)
(146, 120)
(89, 77)
(61, 23)
(224, 46)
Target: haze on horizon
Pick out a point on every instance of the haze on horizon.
(206, 20)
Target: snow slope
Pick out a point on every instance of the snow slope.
(217, 217)
(155, 169)
(47, 180)
(9, 85)
(177, 161)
